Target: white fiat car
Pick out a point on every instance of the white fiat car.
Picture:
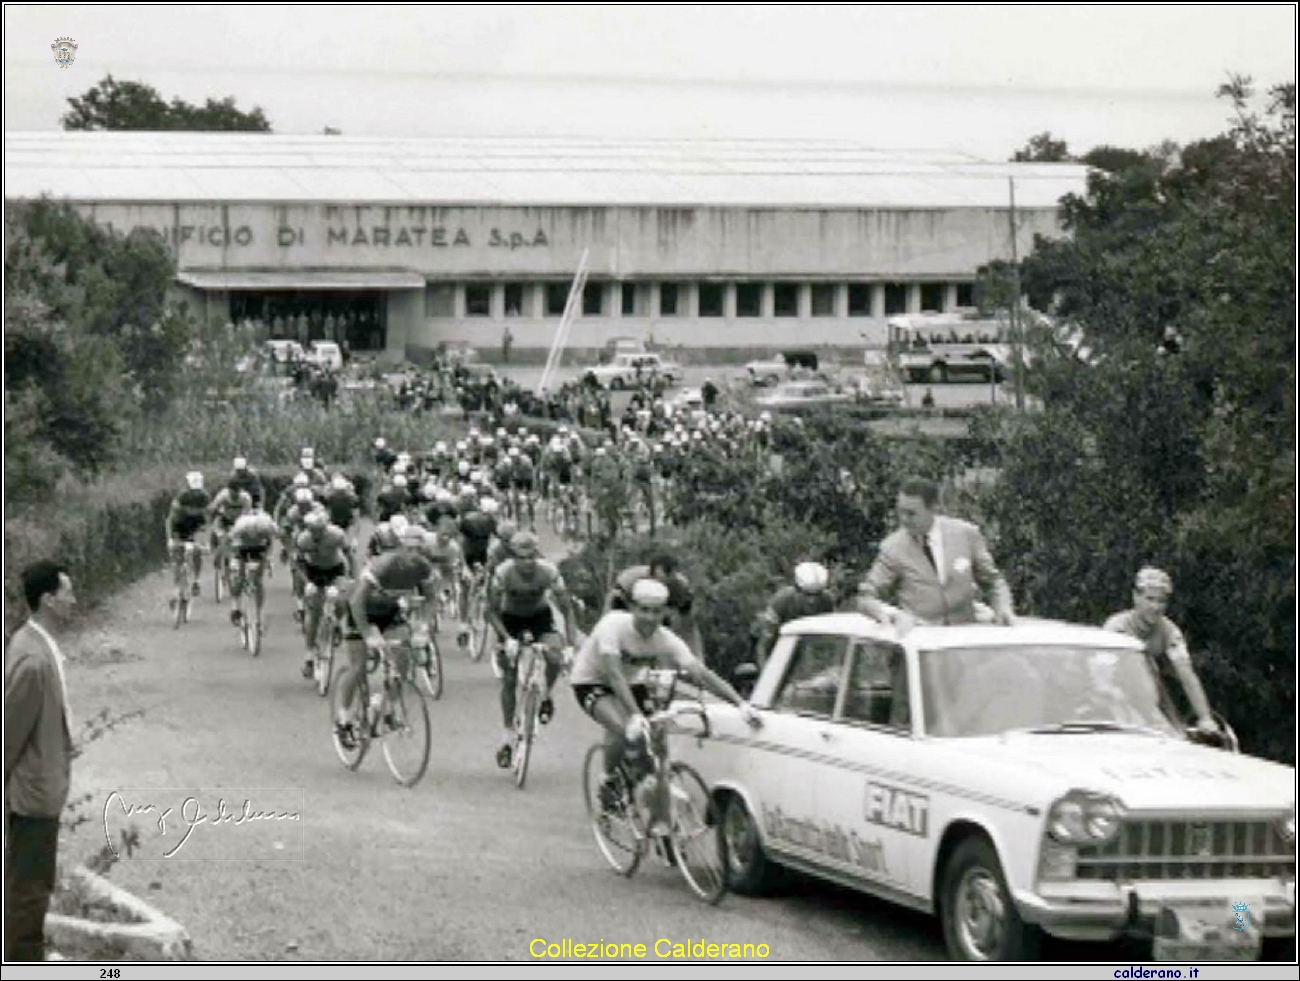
(1010, 780)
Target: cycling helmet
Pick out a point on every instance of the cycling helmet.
(398, 525)
(489, 505)
(339, 482)
(1151, 578)
(522, 431)
(194, 479)
(462, 468)
(399, 480)
(650, 593)
(314, 521)
(301, 480)
(502, 432)
(302, 495)
(384, 537)
(307, 453)
(379, 443)
(462, 446)
(429, 491)
(441, 446)
(507, 530)
(810, 577)
(241, 463)
(524, 545)
(513, 451)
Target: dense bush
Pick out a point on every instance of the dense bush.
(733, 573)
(1175, 443)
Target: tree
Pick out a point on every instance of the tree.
(1185, 460)
(135, 106)
(1043, 149)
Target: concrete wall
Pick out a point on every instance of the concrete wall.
(500, 242)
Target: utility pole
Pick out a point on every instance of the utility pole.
(1015, 304)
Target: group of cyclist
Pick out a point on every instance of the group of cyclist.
(449, 520)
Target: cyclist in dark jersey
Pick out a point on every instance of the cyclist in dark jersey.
(374, 607)
(392, 499)
(185, 519)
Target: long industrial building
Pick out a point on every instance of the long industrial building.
(714, 248)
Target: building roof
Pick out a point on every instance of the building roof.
(148, 167)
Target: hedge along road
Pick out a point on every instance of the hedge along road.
(462, 866)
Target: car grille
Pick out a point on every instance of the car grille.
(1189, 850)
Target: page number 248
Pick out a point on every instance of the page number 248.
(110, 972)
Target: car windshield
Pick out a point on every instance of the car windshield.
(984, 691)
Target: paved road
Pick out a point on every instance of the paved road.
(461, 866)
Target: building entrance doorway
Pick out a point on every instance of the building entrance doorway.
(358, 319)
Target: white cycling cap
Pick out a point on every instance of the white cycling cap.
(650, 593)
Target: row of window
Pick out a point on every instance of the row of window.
(675, 299)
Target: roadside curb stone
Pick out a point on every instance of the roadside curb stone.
(156, 938)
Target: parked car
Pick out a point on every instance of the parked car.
(780, 367)
(284, 352)
(625, 370)
(623, 345)
(1009, 780)
(795, 396)
(326, 354)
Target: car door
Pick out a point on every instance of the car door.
(793, 740)
(866, 789)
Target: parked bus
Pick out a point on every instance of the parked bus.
(944, 347)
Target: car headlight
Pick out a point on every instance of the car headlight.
(1084, 818)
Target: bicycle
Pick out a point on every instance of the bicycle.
(329, 638)
(220, 571)
(620, 823)
(184, 553)
(530, 689)
(474, 628)
(251, 628)
(420, 639)
(394, 712)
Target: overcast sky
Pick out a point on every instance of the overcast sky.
(982, 79)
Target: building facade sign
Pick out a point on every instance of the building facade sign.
(484, 241)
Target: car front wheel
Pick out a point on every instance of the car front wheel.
(980, 922)
(749, 871)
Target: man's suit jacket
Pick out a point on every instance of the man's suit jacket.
(38, 746)
(903, 570)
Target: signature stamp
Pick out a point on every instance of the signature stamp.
(173, 824)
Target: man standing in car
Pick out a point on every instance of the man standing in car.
(934, 565)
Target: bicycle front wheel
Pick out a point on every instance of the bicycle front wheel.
(428, 668)
(328, 630)
(697, 834)
(351, 756)
(407, 733)
(525, 729)
(612, 822)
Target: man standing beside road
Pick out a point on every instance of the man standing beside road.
(934, 566)
(38, 757)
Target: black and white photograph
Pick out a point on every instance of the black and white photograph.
(691, 487)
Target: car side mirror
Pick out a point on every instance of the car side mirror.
(745, 677)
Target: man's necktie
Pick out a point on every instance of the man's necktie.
(929, 553)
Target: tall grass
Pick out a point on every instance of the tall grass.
(109, 531)
(270, 433)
